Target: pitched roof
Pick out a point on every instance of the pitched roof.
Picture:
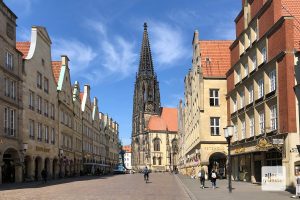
(167, 121)
(23, 47)
(56, 67)
(156, 123)
(127, 148)
(169, 115)
(215, 57)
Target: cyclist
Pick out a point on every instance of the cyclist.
(146, 174)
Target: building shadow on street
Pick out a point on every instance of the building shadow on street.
(40, 184)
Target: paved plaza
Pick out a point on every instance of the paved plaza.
(129, 186)
(162, 186)
(241, 191)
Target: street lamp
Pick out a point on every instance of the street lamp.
(228, 133)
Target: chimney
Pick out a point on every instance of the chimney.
(65, 60)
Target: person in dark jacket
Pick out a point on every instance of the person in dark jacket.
(213, 178)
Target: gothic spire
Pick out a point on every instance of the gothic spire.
(146, 64)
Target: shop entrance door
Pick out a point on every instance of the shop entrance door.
(257, 171)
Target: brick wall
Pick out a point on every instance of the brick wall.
(240, 24)
(281, 39)
(235, 54)
(255, 6)
(286, 97)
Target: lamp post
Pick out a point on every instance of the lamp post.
(228, 132)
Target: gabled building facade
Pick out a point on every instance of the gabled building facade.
(204, 111)
(261, 102)
(40, 128)
(11, 144)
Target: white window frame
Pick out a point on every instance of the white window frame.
(6, 86)
(46, 134)
(215, 126)
(261, 122)
(238, 74)
(46, 85)
(46, 108)
(31, 128)
(260, 88)
(243, 129)
(273, 117)
(235, 132)
(251, 124)
(39, 80)
(214, 96)
(264, 54)
(12, 122)
(272, 80)
(39, 129)
(251, 94)
(246, 69)
(9, 60)
(254, 62)
(242, 96)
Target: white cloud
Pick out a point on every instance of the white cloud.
(80, 54)
(167, 44)
(23, 6)
(118, 56)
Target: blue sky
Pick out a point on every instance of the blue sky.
(103, 39)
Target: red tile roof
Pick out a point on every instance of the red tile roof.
(23, 47)
(292, 8)
(127, 148)
(169, 115)
(168, 121)
(56, 67)
(156, 123)
(218, 54)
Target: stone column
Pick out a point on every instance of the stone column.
(18, 173)
(253, 180)
(50, 167)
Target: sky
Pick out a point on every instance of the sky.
(103, 40)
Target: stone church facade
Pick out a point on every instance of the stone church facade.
(154, 128)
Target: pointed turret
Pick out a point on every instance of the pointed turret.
(146, 64)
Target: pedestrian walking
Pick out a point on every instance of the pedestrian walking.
(213, 179)
(44, 175)
(201, 176)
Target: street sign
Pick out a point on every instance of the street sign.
(277, 141)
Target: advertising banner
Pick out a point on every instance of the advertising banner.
(273, 178)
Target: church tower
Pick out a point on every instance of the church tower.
(146, 102)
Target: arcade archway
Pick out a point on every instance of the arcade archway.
(217, 162)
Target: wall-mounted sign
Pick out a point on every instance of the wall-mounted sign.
(277, 141)
(43, 149)
(239, 150)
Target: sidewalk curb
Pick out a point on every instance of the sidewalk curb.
(187, 191)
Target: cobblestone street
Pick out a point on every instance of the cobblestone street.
(161, 186)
